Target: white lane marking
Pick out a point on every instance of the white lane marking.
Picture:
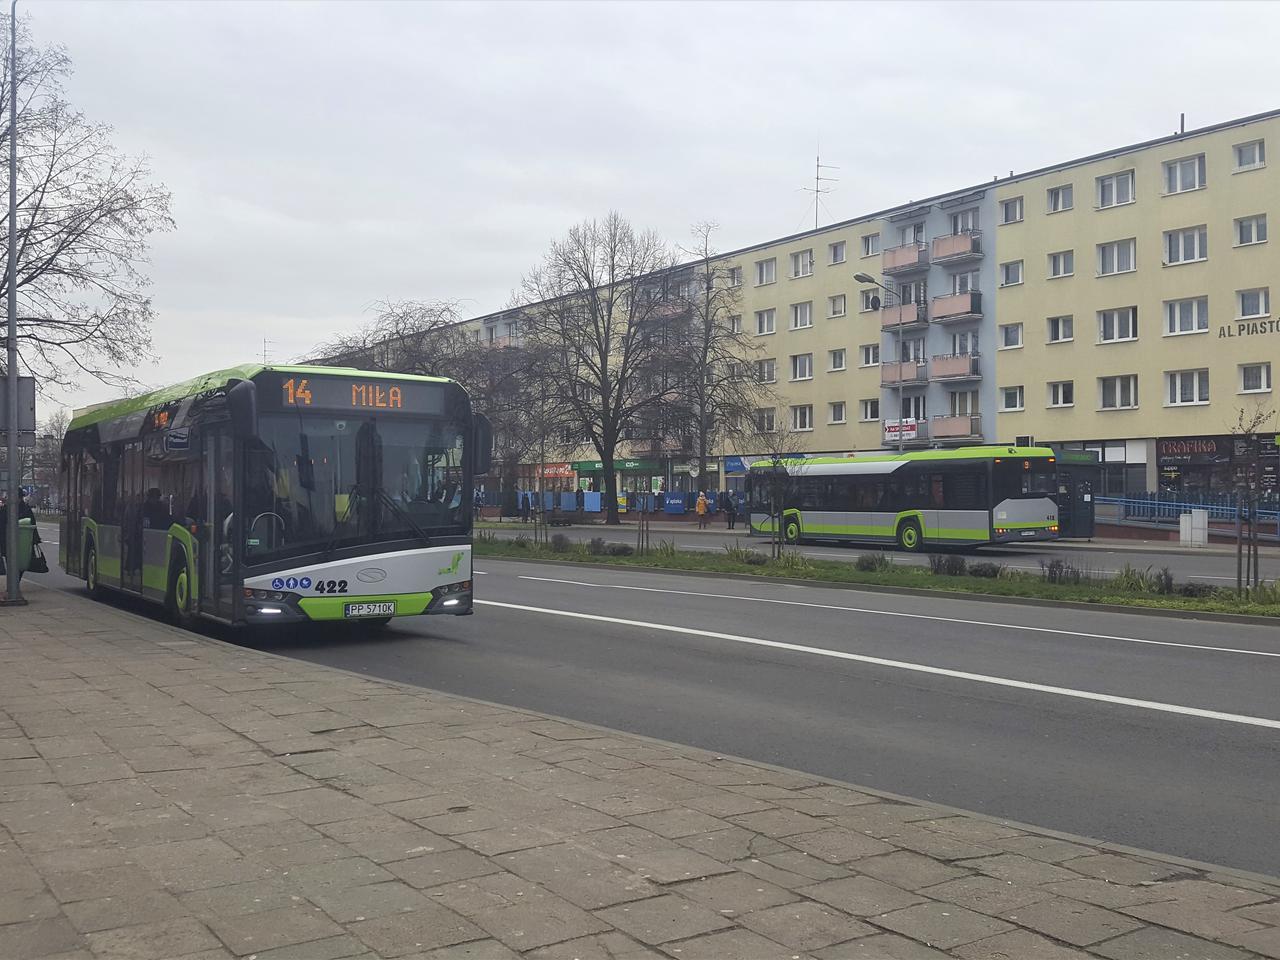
(482, 573)
(911, 616)
(904, 665)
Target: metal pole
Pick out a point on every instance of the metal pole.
(14, 592)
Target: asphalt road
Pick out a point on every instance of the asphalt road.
(1213, 567)
(1154, 732)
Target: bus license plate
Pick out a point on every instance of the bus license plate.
(383, 608)
(1028, 533)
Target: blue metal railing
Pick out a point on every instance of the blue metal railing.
(1165, 508)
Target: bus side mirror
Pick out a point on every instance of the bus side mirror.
(242, 403)
(482, 438)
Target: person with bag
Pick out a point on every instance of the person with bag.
(701, 508)
(37, 563)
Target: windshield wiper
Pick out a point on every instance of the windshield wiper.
(406, 516)
(353, 496)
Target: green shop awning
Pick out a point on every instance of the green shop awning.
(595, 466)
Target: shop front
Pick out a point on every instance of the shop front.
(1215, 465)
(634, 476)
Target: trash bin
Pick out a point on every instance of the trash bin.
(26, 537)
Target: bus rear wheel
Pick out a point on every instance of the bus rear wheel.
(178, 597)
(909, 538)
(791, 530)
(91, 572)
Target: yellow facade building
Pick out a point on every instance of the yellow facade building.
(1119, 303)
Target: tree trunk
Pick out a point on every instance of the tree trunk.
(610, 491)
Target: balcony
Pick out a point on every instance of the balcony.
(958, 248)
(904, 372)
(497, 342)
(959, 366)
(965, 426)
(905, 431)
(957, 306)
(908, 258)
(903, 315)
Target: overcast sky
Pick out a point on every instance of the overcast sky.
(324, 156)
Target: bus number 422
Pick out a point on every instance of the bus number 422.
(331, 586)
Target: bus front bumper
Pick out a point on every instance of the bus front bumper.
(263, 606)
(1023, 534)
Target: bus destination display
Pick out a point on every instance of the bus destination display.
(357, 394)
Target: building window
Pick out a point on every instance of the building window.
(1187, 387)
(1186, 316)
(1062, 393)
(802, 264)
(869, 410)
(1061, 198)
(767, 370)
(1011, 273)
(735, 323)
(802, 417)
(1251, 230)
(836, 359)
(1011, 398)
(1186, 245)
(1011, 210)
(1183, 175)
(962, 403)
(1253, 303)
(836, 305)
(911, 350)
(1115, 189)
(1061, 329)
(960, 283)
(914, 407)
(735, 276)
(1062, 264)
(766, 271)
(1118, 324)
(802, 366)
(802, 315)
(965, 221)
(766, 321)
(1118, 393)
(835, 412)
(911, 233)
(1119, 256)
(871, 244)
(869, 354)
(764, 419)
(1251, 155)
(866, 298)
(964, 343)
(1255, 378)
(836, 251)
(1010, 335)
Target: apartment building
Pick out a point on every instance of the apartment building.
(1119, 303)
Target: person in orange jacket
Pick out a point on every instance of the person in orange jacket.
(701, 509)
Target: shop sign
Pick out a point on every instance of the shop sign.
(735, 465)
(1193, 450)
(1248, 328)
(557, 471)
(596, 466)
(901, 429)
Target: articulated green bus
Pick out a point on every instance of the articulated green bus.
(276, 494)
(965, 497)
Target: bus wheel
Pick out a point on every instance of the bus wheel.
(909, 538)
(91, 571)
(178, 598)
(791, 530)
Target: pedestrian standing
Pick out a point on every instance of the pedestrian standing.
(730, 508)
(701, 509)
(524, 507)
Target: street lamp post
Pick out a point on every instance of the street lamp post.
(12, 570)
(867, 278)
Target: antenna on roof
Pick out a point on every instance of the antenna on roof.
(1182, 123)
(818, 180)
(265, 342)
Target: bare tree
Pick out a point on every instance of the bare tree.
(1248, 482)
(597, 308)
(775, 469)
(86, 213)
(718, 386)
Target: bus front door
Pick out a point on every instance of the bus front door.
(131, 524)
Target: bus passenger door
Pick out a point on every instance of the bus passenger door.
(214, 540)
(131, 539)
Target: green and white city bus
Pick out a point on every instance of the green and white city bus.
(930, 498)
(274, 494)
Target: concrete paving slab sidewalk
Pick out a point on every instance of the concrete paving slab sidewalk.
(164, 795)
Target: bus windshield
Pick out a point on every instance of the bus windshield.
(316, 482)
(1015, 478)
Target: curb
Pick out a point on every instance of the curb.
(1171, 859)
(1211, 616)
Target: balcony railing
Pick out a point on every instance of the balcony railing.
(957, 306)
(904, 259)
(500, 342)
(908, 431)
(957, 248)
(904, 315)
(904, 371)
(959, 366)
(964, 426)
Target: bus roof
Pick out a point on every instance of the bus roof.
(915, 456)
(100, 412)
